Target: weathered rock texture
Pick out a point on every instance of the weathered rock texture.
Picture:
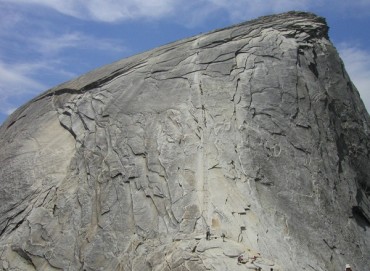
(254, 130)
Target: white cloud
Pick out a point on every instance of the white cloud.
(35, 56)
(21, 79)
(107, 10)
(246, 9)
(8, 18)
(357, 63)
(16, 77)
(118, 10)
(53, 43)
(68, 7)
(186, 10)
(16, 82)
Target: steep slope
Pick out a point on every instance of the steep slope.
(254, 131)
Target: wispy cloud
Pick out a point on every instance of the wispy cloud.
(16, 84)
(68, 7)
(242, 9)
(24, 79)
(115, 10)
(15, 77)
(8, 18)
(36, 54)
(108, 10)
(120, 10)
(357, 63)
(52, 43)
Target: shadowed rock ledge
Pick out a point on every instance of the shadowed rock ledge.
(254, 131)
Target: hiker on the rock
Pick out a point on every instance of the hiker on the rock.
(208, 234)
(254, 258)
(348, 267)
(240, 258)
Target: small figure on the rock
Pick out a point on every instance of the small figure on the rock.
(348, 267)
(240, 259)
(208, 234)
(254, 258)
(223, 237)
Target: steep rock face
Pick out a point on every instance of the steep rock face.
(254, 131)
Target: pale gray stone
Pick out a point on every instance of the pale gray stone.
(254, 131)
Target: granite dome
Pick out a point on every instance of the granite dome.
(254, 131)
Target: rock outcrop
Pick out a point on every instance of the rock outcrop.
(254, 131)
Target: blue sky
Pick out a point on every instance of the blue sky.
(46, 42)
